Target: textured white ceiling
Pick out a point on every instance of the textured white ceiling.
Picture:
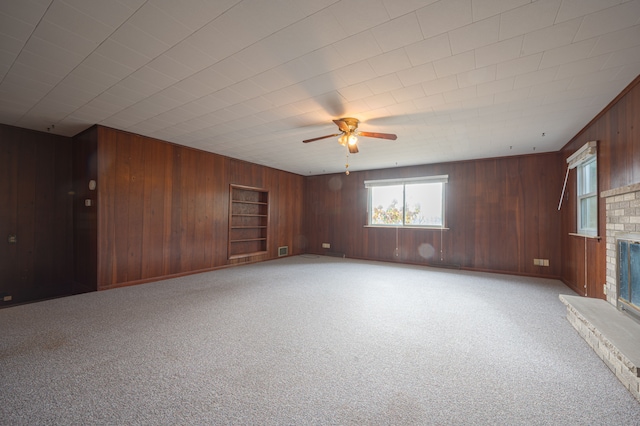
(250, 79)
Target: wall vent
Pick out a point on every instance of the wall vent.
(283, 251)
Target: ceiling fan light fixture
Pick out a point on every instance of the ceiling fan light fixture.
(343, 139)
(352, 139)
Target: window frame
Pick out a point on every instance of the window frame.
(370, 184)
(582, 196)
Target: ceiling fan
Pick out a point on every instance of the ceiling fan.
(349, 134)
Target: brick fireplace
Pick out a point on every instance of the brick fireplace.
(623, 224)
(613, 335)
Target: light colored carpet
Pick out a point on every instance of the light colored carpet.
(308, 340)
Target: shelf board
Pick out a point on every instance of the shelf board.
(245, 240)
(255, 253)
(260, 203)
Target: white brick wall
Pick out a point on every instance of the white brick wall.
(623, 216)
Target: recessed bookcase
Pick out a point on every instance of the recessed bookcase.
(248, 221)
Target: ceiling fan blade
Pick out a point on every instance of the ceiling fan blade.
(389, 136)
(321, 137)
(353, 149)
(342, 125)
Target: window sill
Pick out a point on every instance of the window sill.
(431, 228)
(574, 234)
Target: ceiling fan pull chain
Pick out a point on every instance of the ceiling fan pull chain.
(347, 165)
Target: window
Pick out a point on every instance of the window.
(588, 197)
(585, 162)
(417, 202)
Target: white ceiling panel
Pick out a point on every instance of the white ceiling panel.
(444, 16)
(398, 32)
(528, 18)
(454, 79)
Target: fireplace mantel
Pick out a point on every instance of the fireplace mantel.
(620, 191)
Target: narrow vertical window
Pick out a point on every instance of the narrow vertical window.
(588, 197)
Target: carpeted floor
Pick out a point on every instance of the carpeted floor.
(308, 340)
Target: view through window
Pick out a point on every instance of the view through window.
(415, 202)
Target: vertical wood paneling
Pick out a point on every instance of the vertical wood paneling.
(164, 208)
(493, 210)
(36, 206)
(85, 218)
(617, 131)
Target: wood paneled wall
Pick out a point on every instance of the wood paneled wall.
(163, 209)
(617, 130)
(36, 207)
(85, 217)
(501, 214)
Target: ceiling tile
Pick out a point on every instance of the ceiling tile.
(440, 85)
(609, 20)
(418, 74)
(108, 66)
(624, 57)
(246, 76)
(356, 73)
(139, 41)
(367, 47)
(112, 13)
(443, 16)
(551, 37)
(15, 28)
(398, 32)
(27, 11)
(385, 83)
(483, 9)
(455, 64)
(496, 86)
(536, 77)
(617, 40)
(477, 76)
(577, 8)
(70, 18)
(190, 56)
(120, 53)
(459, 95)
(153, 21)
(566, 54)
(532, 17)
(523, 65)
(584, 66)
(408, 93)
(429, 50)
(477, 34)
(359, 15)
(499, 52)
(356, 91)
(389, 62)
(170, 67)
(397, 8)
(194, 14)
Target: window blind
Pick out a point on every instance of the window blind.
(587, 151)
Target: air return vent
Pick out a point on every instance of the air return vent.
(283, 251)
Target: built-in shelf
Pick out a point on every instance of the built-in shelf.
(248, 221)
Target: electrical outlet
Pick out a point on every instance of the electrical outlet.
(536, 262)
(545, 262)
(7, 298)
(326, 245)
